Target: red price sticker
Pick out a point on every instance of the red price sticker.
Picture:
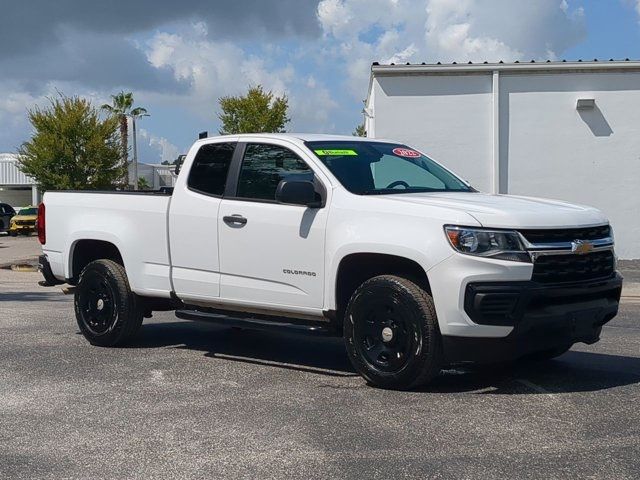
(406, 152)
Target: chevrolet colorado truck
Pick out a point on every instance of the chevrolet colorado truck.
(366, 239)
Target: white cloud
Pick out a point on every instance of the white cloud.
(401, 31)
(165, 150)
(16, 101)
(216, 69)
(324, 78)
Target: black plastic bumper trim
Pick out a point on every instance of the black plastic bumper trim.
(508, 303)
(546, 317)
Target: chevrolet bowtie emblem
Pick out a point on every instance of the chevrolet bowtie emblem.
(581, 247)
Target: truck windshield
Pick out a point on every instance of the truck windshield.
(378, 168)
(28, 211)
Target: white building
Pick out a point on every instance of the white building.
(19, 190)
(16, 188)
(157, 176)
(565, 130)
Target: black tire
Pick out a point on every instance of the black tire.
(391, 333)
(107, 311)
(13, 234)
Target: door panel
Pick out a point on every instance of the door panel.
(276, 257)
(193, 224)
(271, 253)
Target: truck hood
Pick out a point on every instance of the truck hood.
(508, 211)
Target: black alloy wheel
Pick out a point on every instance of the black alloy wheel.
(386, 338)
(107, 311)
(96, 302)
(391, 333)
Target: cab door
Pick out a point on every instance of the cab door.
(193, 223)
(271, 254)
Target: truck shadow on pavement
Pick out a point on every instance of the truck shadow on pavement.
(286, 350)
(573, 372)
(55, 296)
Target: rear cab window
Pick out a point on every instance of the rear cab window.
(208, 174)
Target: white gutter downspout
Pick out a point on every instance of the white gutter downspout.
(495, 165)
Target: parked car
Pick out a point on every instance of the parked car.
(370, 240)
(6, 213)
(24, 222)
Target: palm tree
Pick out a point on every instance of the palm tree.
(143, 184)
(121, 108)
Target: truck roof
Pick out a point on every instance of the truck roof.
(305, 137)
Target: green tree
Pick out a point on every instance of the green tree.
(360, 131)
(121, 108)
(143, 184)
(72, 147)
(256, 112)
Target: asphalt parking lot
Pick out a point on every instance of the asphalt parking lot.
(199, 401)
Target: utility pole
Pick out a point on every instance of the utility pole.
(135, 154)
(134, 116)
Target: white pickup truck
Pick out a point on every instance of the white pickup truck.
(367, 239)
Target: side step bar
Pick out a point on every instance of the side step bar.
(306, 326)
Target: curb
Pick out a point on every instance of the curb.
(21, 262)
(631, 289)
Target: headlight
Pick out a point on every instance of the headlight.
(500, 244)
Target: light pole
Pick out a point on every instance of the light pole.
(135, 147)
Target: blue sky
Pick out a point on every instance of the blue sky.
(179, 57)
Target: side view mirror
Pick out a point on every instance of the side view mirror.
(179, 162)
(297, 192)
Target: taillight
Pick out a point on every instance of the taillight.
(42, 234)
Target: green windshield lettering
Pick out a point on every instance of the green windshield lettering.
(336, 153)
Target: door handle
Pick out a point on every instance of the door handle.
(234, 220)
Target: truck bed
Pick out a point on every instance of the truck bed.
(135, 222)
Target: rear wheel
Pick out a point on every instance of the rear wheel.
(107, 311)
(391, 333)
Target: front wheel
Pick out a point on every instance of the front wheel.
(107, 311)
(391, 333)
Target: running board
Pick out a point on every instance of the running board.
(306, 326)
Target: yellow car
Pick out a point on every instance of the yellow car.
(24, 221)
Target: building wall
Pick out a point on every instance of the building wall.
(157, 176)
(447, 117)
(547, 148)
(16, 188)
(588, 157)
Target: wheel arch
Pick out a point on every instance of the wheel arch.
(86, 250)
(355, 268)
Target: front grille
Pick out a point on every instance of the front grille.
(566, 234)
(24, 222)
(572, 267)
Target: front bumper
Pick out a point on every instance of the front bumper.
(541, 317)
(22, 228)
